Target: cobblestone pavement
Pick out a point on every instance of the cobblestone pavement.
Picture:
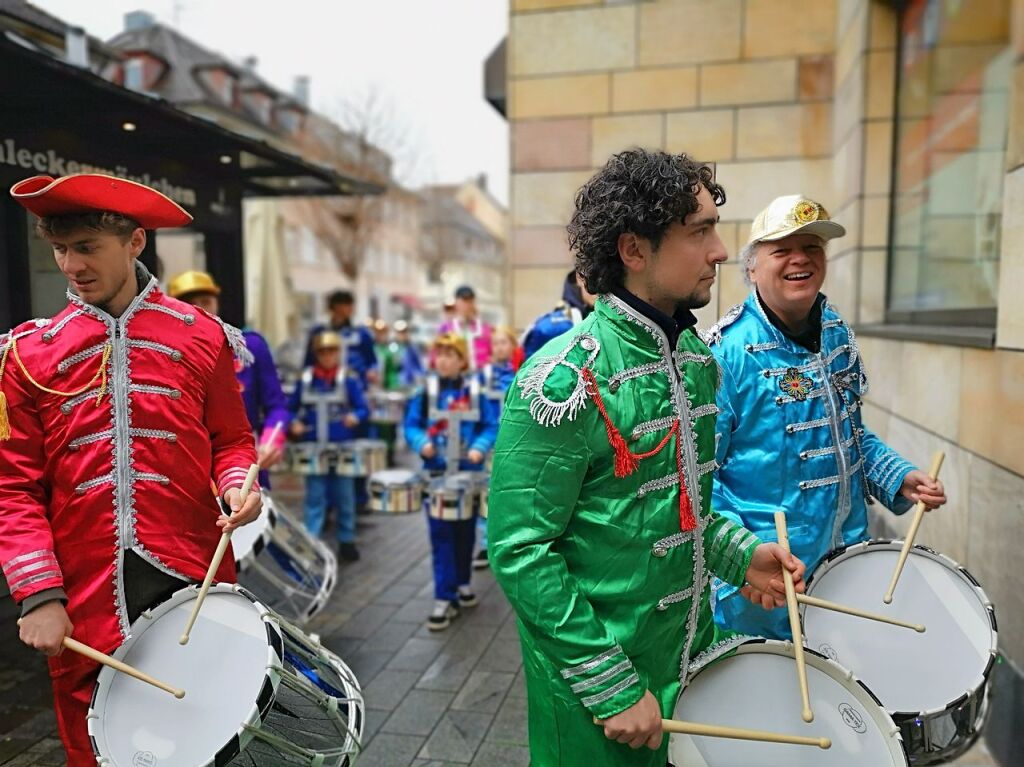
(454, 697)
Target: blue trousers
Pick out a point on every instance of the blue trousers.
(323, 490)
(451, 548)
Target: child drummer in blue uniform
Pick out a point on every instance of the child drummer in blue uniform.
(327, 407)
(449, 388)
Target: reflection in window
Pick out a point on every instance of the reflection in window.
(952, 115)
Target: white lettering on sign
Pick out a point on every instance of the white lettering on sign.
(53, 164)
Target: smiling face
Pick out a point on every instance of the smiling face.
(789, 273)
(100, 266)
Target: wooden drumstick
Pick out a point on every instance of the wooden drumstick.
(218, 555)
(794, 620)
(908, 542)
(739, 733)
(93, 654)
(736, 733)
(836, 607)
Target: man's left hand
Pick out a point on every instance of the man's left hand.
(241, 513)
(765, 585)
(475, 456)
(918, 486)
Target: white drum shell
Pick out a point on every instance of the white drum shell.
(454, 498)
(757, 689)
(934, 684)
(396, 491)
(362, 457)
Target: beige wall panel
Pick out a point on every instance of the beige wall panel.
(853, 40)
(873, 267)
(881, 83)
(755, 82)
(883, 359)
(550, 144)
(750, 186)
(800, 130)
(706, 136)
(1017, 27)
(1015, 139)
(816, 78)
(875, 226)
(877, 420)
(540, 199)
(929, 392)
(689, 31)
(878, 158)
(946, 529)
(848, 169)
(534, 292)
(847, 9)
(614, 134)
(992, 406)
(978, 21)
(573, 41)
(535, 5)
(841, 284)
(646, 90)
(1010, 333)
(708, 315)
(848, 104)
(788, 27)
(995, 538)
(729, 232)
(884, 23)
(559, 96)
(731, 288)
(540, 246)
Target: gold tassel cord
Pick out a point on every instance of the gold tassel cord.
(101, 376)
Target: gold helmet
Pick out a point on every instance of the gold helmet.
(326, 339)
(453, 341)
(192, 282)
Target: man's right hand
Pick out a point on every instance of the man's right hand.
(45, 628)
(428, 450)
(639, 725)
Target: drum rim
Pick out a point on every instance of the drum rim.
(896, 544)
(258, 710)
(751, 645)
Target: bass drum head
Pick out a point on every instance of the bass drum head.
(246, 537)
(757, 689)
(395, 478)
(223, 671)
(908, 671)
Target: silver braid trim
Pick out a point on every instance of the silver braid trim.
(604, 676)
(590, 665)
(49, 334)
(188, 319)
(714, 652)
(672, 599)
(611, 692)
(106, 479)
(641, 370)
(649, 427)
(82, 356)
(139, 343)
(700, 359)
(90, 438)
(704, 410)
(236, 342)
(669, 480)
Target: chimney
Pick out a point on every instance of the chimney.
(76, 47)
(136, 20)
(249, 63)
(301, 90)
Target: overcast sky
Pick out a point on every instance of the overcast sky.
(423, 57)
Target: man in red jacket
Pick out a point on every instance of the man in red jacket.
(115, 416)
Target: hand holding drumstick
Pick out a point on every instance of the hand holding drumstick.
(922, 504)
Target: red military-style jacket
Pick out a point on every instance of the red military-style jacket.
(85, 478)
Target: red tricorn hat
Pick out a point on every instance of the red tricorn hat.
(85, 192)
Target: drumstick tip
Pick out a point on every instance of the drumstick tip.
(184, 640)
(179, 694)
(807, 715)
(919, 628)
(887, 599)
(824, 744)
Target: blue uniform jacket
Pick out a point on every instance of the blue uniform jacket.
(360, 355)
(478, 435)
(337, 430)
(790, 437)
(559, 320)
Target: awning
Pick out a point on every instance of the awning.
(45, 95)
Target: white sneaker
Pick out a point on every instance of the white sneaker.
(442, 614)
(466, 597)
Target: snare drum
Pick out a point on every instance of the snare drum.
(396, 491)
(934, 684)
(454, 497)
(291, 572)
(388, 406)
(484, 487)
(255, 686)
(362, 457)
(757, 689)
(307, 458)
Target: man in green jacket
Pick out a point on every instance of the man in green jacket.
(602, 534)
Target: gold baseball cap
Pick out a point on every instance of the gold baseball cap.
(793, 214)
(192, 282)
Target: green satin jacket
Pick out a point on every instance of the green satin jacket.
(609, 588)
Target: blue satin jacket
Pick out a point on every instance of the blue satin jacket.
(790, 437)
(475, 435)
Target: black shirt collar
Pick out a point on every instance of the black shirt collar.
(810, 337)
(671, 326)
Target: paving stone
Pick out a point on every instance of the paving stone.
(510, 723)
(392, 636)
(416, 654)
(418, 713)
(389, 688)
(502, 655)
(518, 689)
(484, 691)
(391, 750)
(456, 736)
(501, 755)
(366, 622)
(366, 664)
(397, 594)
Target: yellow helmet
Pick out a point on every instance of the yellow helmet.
(192, 282)
(453, 341)
(326, 339)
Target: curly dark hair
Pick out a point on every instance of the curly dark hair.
(94, 221)
(637, 191)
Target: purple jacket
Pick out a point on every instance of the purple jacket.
(265, 403)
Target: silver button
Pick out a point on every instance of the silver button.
(190, 319)
(65, 408)
(803, 485)
(175, 394)
(614, 386)
(47, 337)
(173, 438)
(662, 607)
(749, 347)
(176, 356)
(589, 344)
(790, 429)
(803, 455)
(659, 551)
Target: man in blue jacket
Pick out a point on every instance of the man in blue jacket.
(576, 304)
(789, 428)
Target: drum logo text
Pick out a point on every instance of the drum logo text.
(852, 718)
(143, 759)
(828, 651)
